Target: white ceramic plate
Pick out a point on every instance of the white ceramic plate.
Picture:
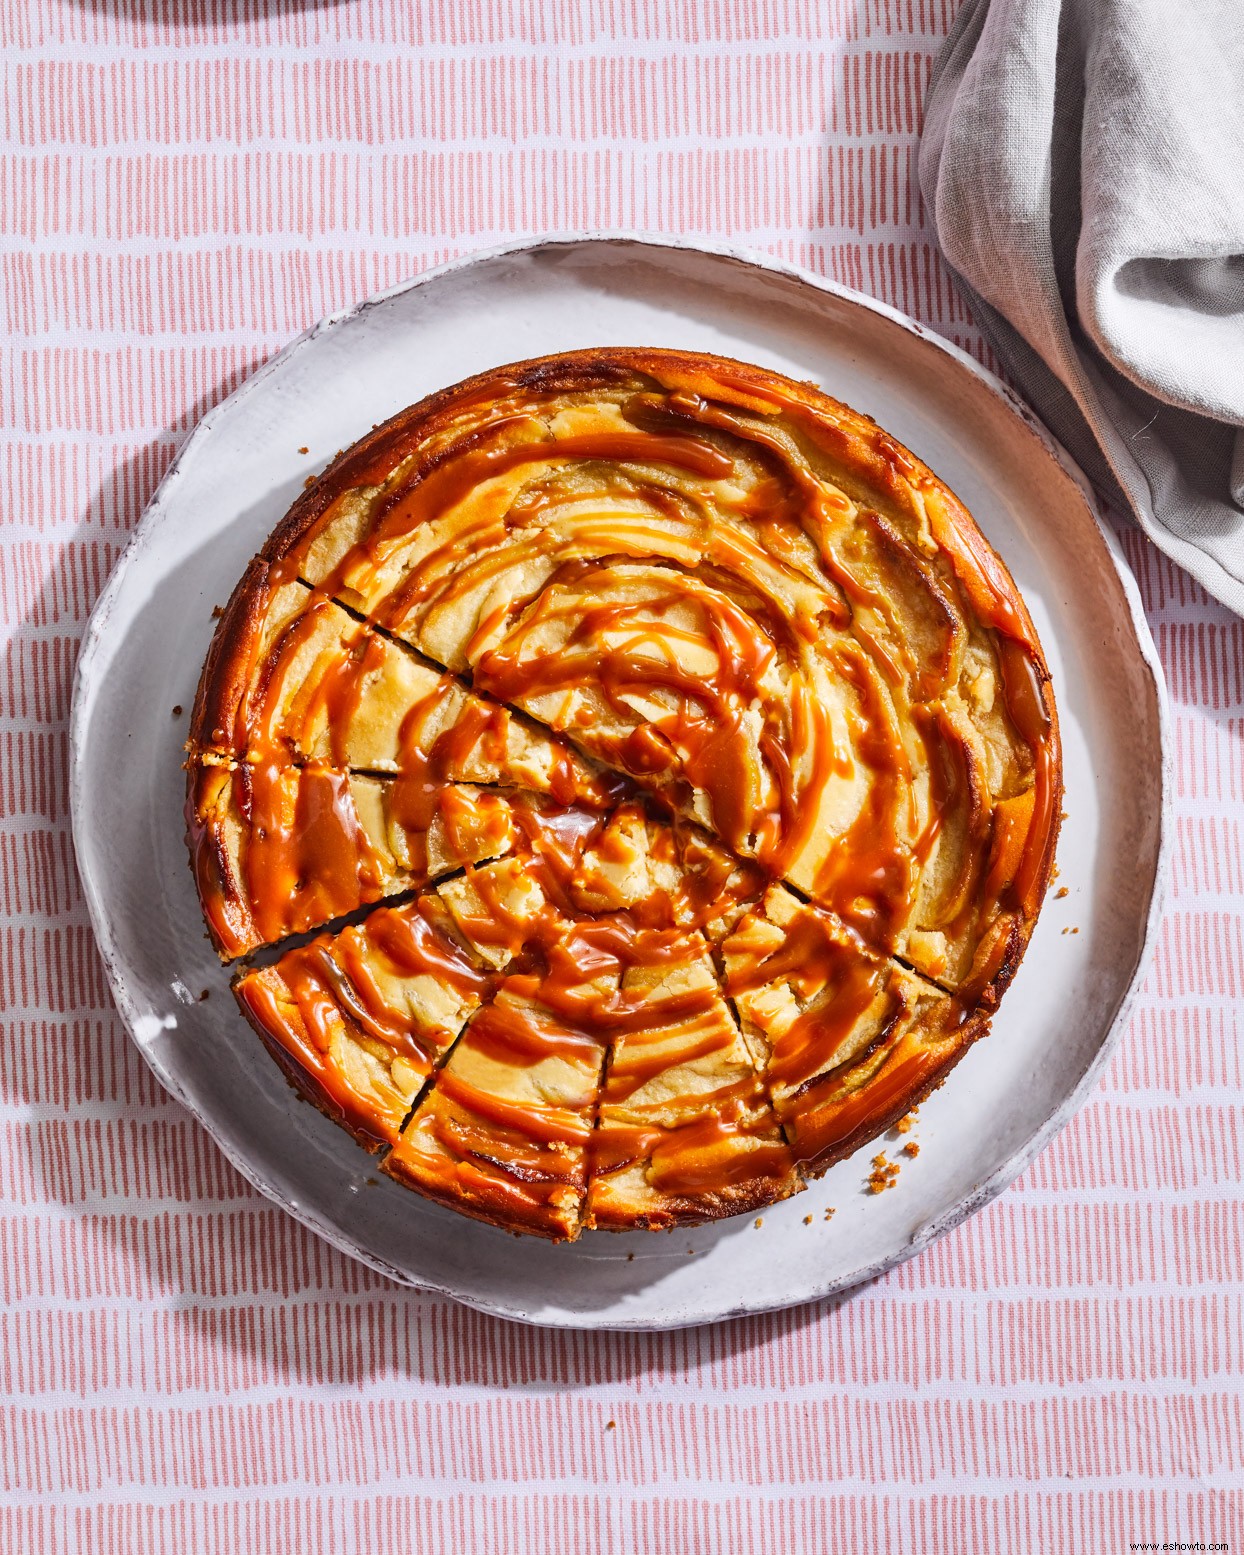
(235, 478)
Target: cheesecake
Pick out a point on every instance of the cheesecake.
(666, 767)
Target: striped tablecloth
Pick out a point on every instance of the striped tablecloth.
(184, 184)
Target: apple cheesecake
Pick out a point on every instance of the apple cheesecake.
(628, 782)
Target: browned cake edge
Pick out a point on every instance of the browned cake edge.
(742, 1199)
(300, 1078)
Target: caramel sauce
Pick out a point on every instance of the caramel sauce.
(826, 1126)
(578, 1006)
(375, 1119)
(719, 1150)
(307, 857)
(870, 873)
(701, 738)
(535, 1122)
(836, 982)
(347, 972)
(335, 987)
(456, 479)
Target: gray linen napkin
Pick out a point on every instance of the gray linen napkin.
(1083, 161)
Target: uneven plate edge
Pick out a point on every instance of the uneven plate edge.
(1003, 1175)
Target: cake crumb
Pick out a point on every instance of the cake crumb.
(1060, 893)
(630, 1257)
(304, 450)
(884, 1173)
(308, 483)
(760, 1220)
(206, 994)
(807, 1220)
(217, 612)
(1075, 931)
(611, 1425)
(903, 1126)
(911, 1148)
(177, 710)
(829, 1214)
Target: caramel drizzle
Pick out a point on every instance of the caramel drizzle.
(305, 857)
(700, 741)
(578, 1009)
(308, 858)
(835, 979)
(724, 1148)
(335, 985)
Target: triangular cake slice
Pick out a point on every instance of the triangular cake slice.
(582, 928)
(686, 1132)
(357, 1019)
(282, 850)
(852, 1040)
(503, 1131)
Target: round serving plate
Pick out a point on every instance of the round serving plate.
(233, 481)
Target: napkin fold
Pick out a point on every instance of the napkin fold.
(1083, 161)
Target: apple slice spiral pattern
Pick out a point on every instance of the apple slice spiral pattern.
(668, 765)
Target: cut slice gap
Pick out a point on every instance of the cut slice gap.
(358, 1020)
(932, 982)
(501, 1133)
(629, 783)
(466, 678)
(853, 1038)
(757, 1044)
(684, 1131)
(266, 955)
(886, 955)
(381, 630)
(294, 677)
(282, 850)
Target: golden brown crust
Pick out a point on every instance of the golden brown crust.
(480, 1199)
(900, 574)
(303, 1081)
(869, 1122)
(223, 682)
(677, 1210)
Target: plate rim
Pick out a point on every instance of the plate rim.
(86, 677)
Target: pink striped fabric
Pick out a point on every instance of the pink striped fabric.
(184, 184)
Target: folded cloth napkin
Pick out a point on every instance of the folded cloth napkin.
(1083, 161)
